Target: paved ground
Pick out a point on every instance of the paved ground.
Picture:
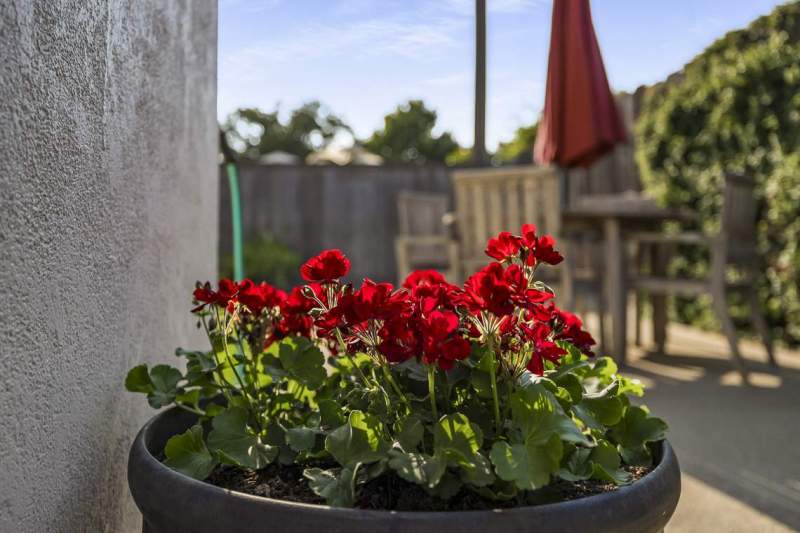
(739, 446)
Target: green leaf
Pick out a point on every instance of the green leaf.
(165, 381)
(338, 488)
(638, 427)
(204, 360)
(482, 383)
(479, 472)
(448, 487)
(577, 466)
(301, 439)
(500, 491)
(606, 464)
(630, 386)
(223, 359)
(419, 468)
(587, 417)
(190, 398)
(457, 438)
(528, 466)
(608, 392)
(276, 437)
(187, 453)
(603, 368)
(360, 440)
(538, 415)
(634, 431)
(409, 432)
(414, 370)
(138, 380)
(331, 415)
(486, 359)
(572, 384)
(303, 361)
(236, 442)
(607, 411)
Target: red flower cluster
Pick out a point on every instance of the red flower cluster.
(429, 327)
(255, 297)
(326, 267)
(427, 318)
(529, 248)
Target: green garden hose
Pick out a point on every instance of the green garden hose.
(236, 221)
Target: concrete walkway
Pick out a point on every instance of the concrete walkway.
(738, 446)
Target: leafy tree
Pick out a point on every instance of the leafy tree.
(519, 150)
(407, 136)
(735, 106)
(253, 133)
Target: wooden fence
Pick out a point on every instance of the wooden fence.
(310, 208)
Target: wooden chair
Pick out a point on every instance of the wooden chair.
(424, 241)
(491, 200)
(734, 246)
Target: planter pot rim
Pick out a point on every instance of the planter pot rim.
(147, 473)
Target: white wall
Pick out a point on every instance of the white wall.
(108, 214)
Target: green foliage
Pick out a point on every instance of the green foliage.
(736, 106)
(338, 488)
(528, 465)
(359, 441)
(253, 133)
(187, 453)
(519, 150)
(419, 468)
(407, 136)
(265, 259)
(303, 362)
(160, 384)
(479, 421)
(236, 443)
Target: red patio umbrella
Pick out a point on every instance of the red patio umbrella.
(580, 121)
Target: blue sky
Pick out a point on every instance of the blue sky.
(363, 57)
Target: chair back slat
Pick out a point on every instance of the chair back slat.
(491, 200)
(739, 212)
(420, 214)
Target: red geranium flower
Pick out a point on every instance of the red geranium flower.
(258, 297)
(503, 246)
(544, 348)
(399, 339)
(225, 296)
(487, 290)
(570, 328)
(522, 294)
(423, 277)
(440, 343)
(454, 349)
(328, 266)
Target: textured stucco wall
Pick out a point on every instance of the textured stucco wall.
(108, 213)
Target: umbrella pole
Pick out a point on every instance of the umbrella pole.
(236, 221)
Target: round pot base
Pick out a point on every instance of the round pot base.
(173, 503)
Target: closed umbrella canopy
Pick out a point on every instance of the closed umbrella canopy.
(580, 122)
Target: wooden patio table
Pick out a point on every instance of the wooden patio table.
(613, 216)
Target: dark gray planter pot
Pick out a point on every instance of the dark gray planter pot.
(173, 503)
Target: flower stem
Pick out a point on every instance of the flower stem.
(393, 383)
(244, 391)
(223, 384)
(343, 346)
(493, 381)
(432, 390)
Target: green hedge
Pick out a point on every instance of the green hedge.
(736, 106)
(266, 259)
